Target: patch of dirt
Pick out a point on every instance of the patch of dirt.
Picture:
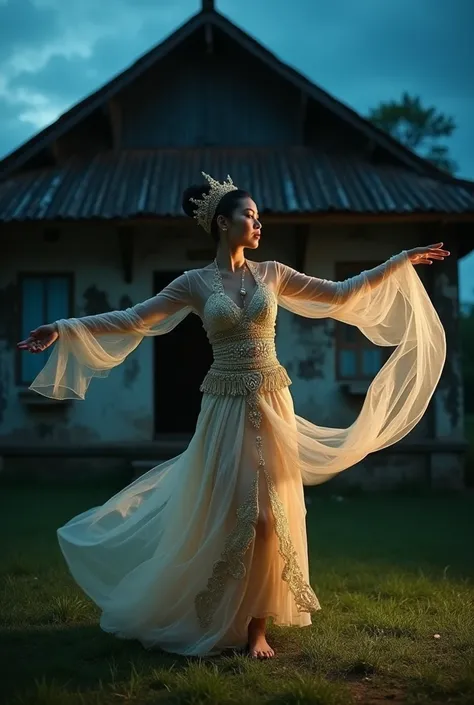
(368, 694)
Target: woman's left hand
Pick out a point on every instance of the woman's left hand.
(426, 255)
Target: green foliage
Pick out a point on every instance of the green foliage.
(416, 127)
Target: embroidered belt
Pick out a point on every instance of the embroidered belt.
(245, 366)
(220, 382)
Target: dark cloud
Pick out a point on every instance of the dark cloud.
(65, 80)
(13, 131)
(67, 50)
(24, 25)
(62, 79)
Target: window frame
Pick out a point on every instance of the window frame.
(21, 277)
(344, 270)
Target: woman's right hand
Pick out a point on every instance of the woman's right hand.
(39, 339)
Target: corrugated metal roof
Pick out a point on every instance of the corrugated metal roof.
(294, 180)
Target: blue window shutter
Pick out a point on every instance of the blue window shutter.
(32, 317)
(57, 298)
(371, 361)
(348, 363)
(45, 299)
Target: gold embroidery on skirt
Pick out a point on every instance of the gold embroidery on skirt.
(239, 540)
(255, 415)
(305, 598)
(230, 563)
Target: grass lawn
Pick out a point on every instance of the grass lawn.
(391, 573)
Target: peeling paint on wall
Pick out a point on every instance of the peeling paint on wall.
(125, 302)
(96, 301)
(312, 366)
(313, 338)
(304, 323)
(131, 372)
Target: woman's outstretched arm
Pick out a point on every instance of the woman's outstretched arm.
(91, 346)
(138, 318)
(294, 284)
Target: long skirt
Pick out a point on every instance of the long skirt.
(176, 559)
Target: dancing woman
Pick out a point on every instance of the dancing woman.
(195, 555)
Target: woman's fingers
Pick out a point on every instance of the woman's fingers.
(426, 255)
(438, 249)
(31, 344)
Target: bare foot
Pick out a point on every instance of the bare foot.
(259, 647)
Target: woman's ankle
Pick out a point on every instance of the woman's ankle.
(257, 624)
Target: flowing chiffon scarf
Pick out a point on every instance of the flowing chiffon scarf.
(388, 304)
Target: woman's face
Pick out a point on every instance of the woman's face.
(243, 229)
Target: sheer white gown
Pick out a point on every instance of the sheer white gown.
(174, 559)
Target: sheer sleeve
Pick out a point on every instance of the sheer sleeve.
(91, 346)
(297, 286)
(391, 307)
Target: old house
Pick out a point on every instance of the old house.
(91, 220)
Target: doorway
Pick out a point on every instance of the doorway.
(180, 362)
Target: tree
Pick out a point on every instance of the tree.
(418, 128)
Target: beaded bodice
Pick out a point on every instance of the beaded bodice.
(243, 340)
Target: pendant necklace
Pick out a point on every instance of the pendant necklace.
(243, 291)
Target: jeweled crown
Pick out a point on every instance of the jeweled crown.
(206, 206)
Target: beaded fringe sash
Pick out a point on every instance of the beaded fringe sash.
(245, 382)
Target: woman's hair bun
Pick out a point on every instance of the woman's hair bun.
(194, 191)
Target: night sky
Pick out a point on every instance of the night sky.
(53, 53)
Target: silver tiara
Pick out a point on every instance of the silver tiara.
(206, 206)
